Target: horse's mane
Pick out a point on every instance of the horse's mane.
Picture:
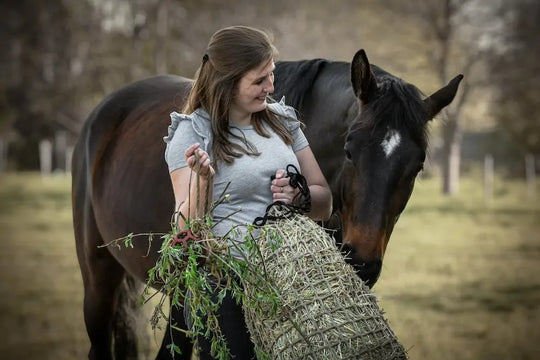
(399, 105)
(296, 78)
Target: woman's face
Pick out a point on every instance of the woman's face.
(251, 92)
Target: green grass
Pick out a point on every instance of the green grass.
(41, 298)
(460, 278)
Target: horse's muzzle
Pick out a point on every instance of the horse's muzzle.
(368, 271)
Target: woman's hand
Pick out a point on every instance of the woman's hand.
(198, 160)
(281, 189)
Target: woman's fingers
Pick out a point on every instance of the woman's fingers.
(281, 189)
(280, 173)
(280, 179)
(286, 196)
(195, 155)
(198, 159)
(190, 150)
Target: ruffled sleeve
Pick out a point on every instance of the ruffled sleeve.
(288, 117)
(184, 131)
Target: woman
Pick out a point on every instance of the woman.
(237, 138)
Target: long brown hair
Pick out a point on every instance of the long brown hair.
(231, 53)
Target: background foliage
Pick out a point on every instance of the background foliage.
(62, 57)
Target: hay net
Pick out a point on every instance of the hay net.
(324, 311)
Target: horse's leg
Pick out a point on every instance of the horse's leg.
(100, 300)
(102, 277)
(179, 338)
(129, 337)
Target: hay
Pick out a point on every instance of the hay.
(325, 311)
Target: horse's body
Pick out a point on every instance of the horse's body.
(121, 183)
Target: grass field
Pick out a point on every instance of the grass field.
(460, 280)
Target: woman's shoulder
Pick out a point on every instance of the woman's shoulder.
(285, 113)
(185, 130)
(199, 121)
(282, 109)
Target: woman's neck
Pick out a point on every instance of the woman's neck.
(239, 119)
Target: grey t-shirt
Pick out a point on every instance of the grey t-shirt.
(248, 177)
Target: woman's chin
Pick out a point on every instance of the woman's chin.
(260, 106)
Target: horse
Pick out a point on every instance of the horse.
(366, 127)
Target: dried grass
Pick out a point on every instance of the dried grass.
(325, 310)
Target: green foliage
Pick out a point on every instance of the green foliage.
(206, 271)
(199, 275)
(128, 241)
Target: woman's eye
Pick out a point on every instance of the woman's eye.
(260, 81)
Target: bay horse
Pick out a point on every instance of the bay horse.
(367, 128)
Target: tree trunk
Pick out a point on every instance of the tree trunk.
(45, 156)
(3, 155)
(60, 146)
(530, 176)
(451, 156)
(160, 54)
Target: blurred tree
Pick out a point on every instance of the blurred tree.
(63, 57)
(40, 69)
(515, 74)
(33, 31)
(455, 32)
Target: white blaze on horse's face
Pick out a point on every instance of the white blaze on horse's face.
(391, 142)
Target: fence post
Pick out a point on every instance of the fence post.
(488, 178)
(45, 157)
(530, 176)
(69, 157)
(60, 144)
(3, 155)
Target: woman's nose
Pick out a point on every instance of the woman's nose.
(269, 87)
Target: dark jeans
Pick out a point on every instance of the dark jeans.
(233, 327)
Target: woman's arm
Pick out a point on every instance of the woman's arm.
(321, 196)
(185, 193)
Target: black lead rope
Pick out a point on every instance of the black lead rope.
(301, 203)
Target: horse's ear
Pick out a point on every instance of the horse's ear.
(442, 97)
(363, 80)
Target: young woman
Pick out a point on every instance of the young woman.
(243, 140)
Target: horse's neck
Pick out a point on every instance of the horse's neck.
(321, 91)
(326, 130)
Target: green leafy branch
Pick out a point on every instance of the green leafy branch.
(181, 270)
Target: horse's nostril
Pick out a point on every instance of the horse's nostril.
(368, 271)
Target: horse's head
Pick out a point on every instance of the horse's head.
(385, 150)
